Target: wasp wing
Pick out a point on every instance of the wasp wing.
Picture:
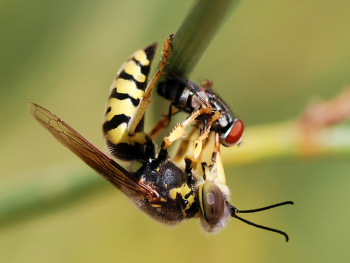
(97, 160)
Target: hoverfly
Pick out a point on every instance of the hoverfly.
(207, 109)
(188, 96)
(159, 187)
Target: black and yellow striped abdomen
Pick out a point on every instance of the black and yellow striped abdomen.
(126, 92)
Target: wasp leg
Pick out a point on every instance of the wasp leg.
(180, 129)
(191, 160)
(183, 148)
(163, 122)
(216, 169)
(216, 148)
(171, 113)
(141, 137)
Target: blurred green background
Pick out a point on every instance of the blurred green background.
(268, 61)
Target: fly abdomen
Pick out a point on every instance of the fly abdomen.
(176, 92)
(126, 92)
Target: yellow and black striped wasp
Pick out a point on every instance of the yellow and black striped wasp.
(159, 187)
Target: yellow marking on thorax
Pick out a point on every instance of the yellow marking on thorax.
(190, 202)
(119, 135)
(183, 191)
(119, 107)
(141, 56)
(128, 87)
(131, 68)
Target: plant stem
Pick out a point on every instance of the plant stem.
(196, 33)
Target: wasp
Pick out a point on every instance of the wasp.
(158, 187)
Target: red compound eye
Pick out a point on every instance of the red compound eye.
(236, 133)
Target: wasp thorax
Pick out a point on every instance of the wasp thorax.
(212, 203)
(235, 134)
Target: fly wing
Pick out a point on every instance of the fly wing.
(194, 88)
(97, 160)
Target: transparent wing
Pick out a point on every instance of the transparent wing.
(97, 160)
(192, 87)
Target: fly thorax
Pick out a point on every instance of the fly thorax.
(196, 102)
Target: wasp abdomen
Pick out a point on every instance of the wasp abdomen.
(126, 92)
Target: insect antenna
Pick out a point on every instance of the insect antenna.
(266, 207)
(235, 211)
(263, 227)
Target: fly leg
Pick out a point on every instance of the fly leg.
(177, 133)
(183, 147)
(191, 160)
(215, 171)
(180, 129)
(216, 150)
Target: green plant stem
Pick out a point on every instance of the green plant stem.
(196, 33)
(45, 191)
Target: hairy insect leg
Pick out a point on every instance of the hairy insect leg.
(162, 123)
(183, 147)
(216, 160)
(214, 171)
(216, 148)
(191, 160)
(141, 137)
(180, 129)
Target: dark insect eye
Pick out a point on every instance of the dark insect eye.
(236, 133)
(212, 203)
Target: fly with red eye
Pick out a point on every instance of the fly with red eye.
(188, 96)
(207, 108)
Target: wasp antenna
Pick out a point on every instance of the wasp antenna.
(265, 208)
(263, 227)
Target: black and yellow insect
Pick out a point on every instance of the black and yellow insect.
(126, 93)
(159, 187)
(189, 97)
(209, 111)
